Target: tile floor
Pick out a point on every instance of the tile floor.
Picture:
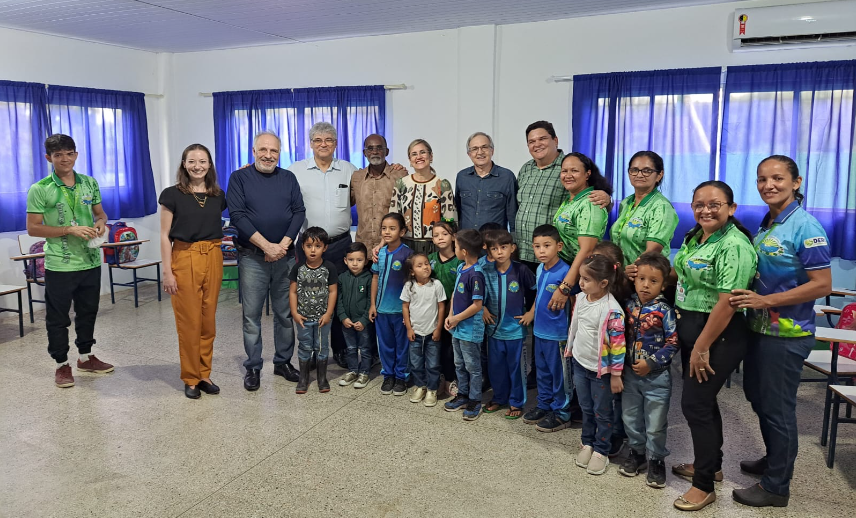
(130, 444)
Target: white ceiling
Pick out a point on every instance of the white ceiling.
(195, 25)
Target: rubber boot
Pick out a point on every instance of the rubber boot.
(303, 380)
(323, 384)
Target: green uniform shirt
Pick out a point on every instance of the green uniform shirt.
(446, 273)
(62, 206)
(654, 219)
(539, 195)
(725, 262)
(579, 217)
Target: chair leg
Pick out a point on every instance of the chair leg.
(827, 404)
(112, 291)
(728, 381)
(20, 315)
(833, 433)
(30, 299)
(136, 302)
(159, 282)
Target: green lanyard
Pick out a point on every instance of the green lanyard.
(72, 201)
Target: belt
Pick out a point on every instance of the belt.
(203, 247)
(340, 237)
(253, 249)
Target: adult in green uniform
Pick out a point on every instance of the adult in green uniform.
(65, 209)
(581, 223)
(646, 219)
(717, 256)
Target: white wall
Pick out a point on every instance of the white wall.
(62, 61)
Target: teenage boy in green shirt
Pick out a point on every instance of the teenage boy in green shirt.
(65, 209)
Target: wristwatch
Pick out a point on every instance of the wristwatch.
(565, 289)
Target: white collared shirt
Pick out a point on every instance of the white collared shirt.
(327, 195)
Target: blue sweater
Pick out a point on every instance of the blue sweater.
(270, 204)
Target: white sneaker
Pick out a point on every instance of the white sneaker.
(584, 456)
(348, 379)
(362, 381)
(418, 395)
(597, 464)
(430, 398)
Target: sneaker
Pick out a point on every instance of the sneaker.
(473, 410)
(634, 464)
(584, 456)
(457, 403)
(63, 377)
(418, 394)
(348, 379)
(453, 388)
(616, 446)
(534, 416)
(362, 381)
(552, 423)
(430, 398)
(93, 364)
(597, 464)
(386, 388)
(399, 388)
(656, 473)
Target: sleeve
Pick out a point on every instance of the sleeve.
(298, 210)
(36, 200)
(447, 202)
(167, 198)
(511, 204)
(292, 274)
(591, 221)
(813, 247)
(440, 291)
(96, 192)
(405, 292)
(477, 286)
(616, 344)
(238, 207)
(735, 265)
(376, 265)
(663, 221)
(457, 194)
(670, 338)
(340, 304)
(223, 205)
(332, 276)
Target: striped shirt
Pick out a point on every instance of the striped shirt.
(539, 196)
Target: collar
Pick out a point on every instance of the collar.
(387, 168)
(584, 192)
(716, 236)
(785, 214)
(472, 170)
(555, 163)
(334, 165)
(630, 199)
(659, 298)
(59, 183)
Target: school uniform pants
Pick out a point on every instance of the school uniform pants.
(198, 271)
(507, 371)
(550, 365)
(61, 289)
(393, 345)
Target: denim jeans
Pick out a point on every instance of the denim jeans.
(773, 366)
(312, 337)
(595, 396)
(645, 401)
(425, 362)
(259, 277)
(360, 349)
(468, 368)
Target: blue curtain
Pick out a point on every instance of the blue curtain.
(111, 133)
(805, 111)
(671, 112)
(23, 129)
(355, 111)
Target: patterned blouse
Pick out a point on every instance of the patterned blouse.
(422, 204)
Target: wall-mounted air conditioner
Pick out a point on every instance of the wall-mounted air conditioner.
(795, 26)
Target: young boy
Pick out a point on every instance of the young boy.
(65, 209)
(354, 290)
(466, 325)
(650, 322)
(551, 333)
(313, 299)
(507, 287)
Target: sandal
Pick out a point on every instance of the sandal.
(492, 407)
(513, 413)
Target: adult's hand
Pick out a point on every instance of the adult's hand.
(375, 252)
(398, 167)
(170, 285)
(81, 232)
(700, 364)
(100, 227)
(600, 198)
(630, 270)
(747, 299)
(557, 301)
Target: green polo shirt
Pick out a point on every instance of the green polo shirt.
(59, 206)
(579, 217)
(725, 262)
(654, 219)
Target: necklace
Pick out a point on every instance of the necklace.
(202, 202)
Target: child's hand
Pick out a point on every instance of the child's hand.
(451, 322)
(358, 326)
(488, 318)
(569, 353)
(347, 323)
(325, 319)
(411, 334)
(526, 319)
(641, 367)
(299, 319)
(435, 336)
(616, 383)
(372, 313)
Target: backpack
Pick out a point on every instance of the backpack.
(847, 320)
(116, 233)
(35, 269)
(230, 252)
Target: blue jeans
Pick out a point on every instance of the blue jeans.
(507, 371)
(595, 397)
(425, 362)
(359, 349)
(645, 401)
(468, 368)
(392, 345)
(312, 337)
(257, 279)
(554, 394)
(772, 375)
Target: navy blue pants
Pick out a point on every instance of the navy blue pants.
(553, 394)
(507, 372)
(392, 344)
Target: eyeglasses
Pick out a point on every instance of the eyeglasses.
(476, 149)
(328, 141)
(635, 171)
(372, 149)
(713, 206)
(415, 154)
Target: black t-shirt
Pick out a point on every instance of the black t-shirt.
(190, 222)
(313, 288)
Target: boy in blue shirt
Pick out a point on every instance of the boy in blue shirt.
(466, 325)
(508, 283)
(551, 334)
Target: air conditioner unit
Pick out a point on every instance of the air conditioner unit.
(795, 26)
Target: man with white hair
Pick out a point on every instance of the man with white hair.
(372, 188)
(485, 192)
(266, 206)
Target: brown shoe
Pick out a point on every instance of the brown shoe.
(685, 505)
(63, 377)
(687, 471)
(93, 364)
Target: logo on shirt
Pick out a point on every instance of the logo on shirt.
(460, 287)
(552, 287)
(87, 199)
(815, 241)
(635, 223)
(513, 287)
(698, 265)
(475, 285)
(771, 246)
(562, 218)
(362, 289)
(433, 264)
(396, 265)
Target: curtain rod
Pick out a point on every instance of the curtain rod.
(400, 86)
(562, 79)
(156, 96)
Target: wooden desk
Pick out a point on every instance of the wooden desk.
(839, 292)
(848, 394)
(26, 258)
(6, 289)
(830, 364)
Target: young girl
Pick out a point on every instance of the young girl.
(388, 278)
(424, 302)
(596, 345)
(444, 264)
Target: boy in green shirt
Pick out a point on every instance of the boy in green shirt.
(65, 209)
